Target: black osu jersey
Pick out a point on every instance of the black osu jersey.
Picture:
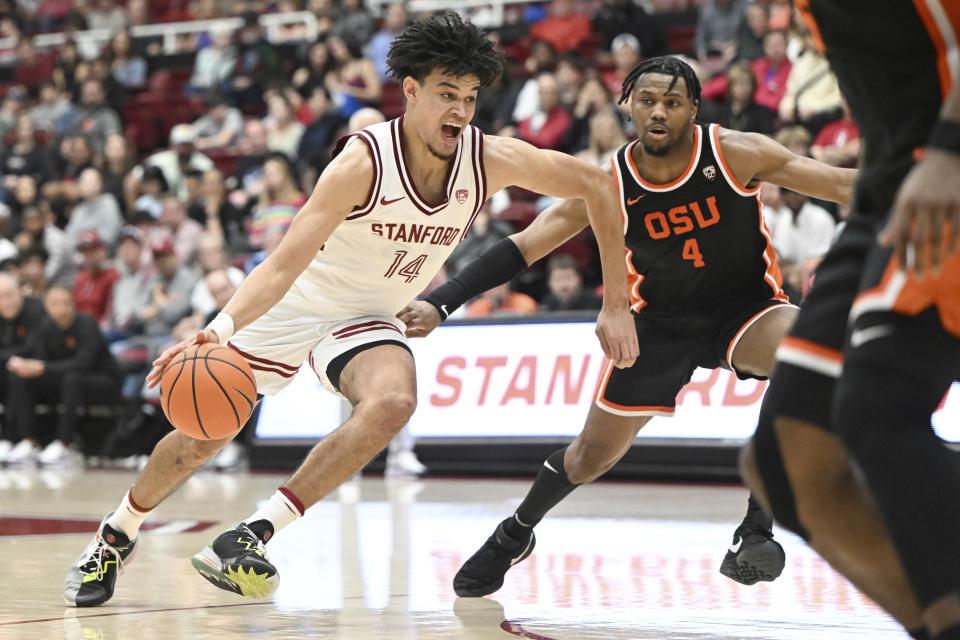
(696, 247)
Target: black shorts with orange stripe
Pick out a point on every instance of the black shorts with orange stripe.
(671, 348)
(891, 61)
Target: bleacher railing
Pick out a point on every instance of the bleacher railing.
(94, 39)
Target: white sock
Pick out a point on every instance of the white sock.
(280, 510)
(128, 517)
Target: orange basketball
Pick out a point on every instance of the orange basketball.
(207, 391)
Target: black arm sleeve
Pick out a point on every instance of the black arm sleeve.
(500, 263)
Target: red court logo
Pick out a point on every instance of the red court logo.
(461, 195)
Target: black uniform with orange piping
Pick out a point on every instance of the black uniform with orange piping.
(701, 270)
(891, 60)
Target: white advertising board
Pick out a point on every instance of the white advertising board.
(531, 380)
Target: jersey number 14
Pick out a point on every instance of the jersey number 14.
(409, 271)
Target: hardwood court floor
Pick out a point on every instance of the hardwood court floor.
(376, 559)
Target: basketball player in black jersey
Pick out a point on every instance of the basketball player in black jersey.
(705, 291)
(877, 343)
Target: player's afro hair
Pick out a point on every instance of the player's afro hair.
(668, 66)
(444, 42)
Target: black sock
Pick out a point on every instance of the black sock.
(950, 633)
(756, 517)
(919, 634)
(263, 529)
(550, 487)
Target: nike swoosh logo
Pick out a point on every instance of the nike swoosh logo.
(862, 336)
(547, 465)
(385, 202)
(443, 308)
(735, 548)
(633, 201)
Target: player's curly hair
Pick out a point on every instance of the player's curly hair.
(445, 42)
(668, 66)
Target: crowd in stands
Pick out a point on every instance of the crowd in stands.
(146, 182)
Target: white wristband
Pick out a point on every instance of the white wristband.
(223, 325)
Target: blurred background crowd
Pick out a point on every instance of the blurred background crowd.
(153, 153)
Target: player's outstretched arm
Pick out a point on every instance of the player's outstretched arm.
(342, 186)
(926, 212)
(498, 264)
(754, 156)
(514, 162)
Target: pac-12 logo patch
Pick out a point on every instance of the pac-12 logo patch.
(461, 195)
(710, 172)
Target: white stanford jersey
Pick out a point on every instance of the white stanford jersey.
(387, 251)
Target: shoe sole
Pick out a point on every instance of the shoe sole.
(487, 589)
(208, 564)
(759, 563)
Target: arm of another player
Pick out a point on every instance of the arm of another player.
(332, 200)
(499, 264)
(754, 156)
(514, 162)
(926, 212)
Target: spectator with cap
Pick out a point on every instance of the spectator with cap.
(565, 282)
(38, 230)
(183, 231)
(20, 317)
(130, 292)
(97, 211)
(173, 162)
(69, 364)
(92, 117)
(626, 55)
(32, 266)
(95, 280)
(220, 126)
(168, 291)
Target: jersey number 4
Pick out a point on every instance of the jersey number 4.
(691, 251)
(410, 270)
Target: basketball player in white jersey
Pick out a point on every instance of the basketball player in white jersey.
(385, 214)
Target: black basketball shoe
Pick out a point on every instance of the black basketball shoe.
(483, 573)
(91, 579)
(753, 556)
(235, 561)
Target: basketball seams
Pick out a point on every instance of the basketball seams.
(183, 364)
(193, 386)
(228, 372)
(233, 407)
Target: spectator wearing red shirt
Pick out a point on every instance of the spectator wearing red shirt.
(94, 284)
(31, 68)
(546, 128)
(838, 143)
(566, 28)
(772, 71)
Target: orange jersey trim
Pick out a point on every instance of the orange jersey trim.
(718, 151)
(938, 39)
(694, 158)
(808, 346)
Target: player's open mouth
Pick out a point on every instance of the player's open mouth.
(658, 132)
(450, 131)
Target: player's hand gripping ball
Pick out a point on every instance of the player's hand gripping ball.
(208, 391)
